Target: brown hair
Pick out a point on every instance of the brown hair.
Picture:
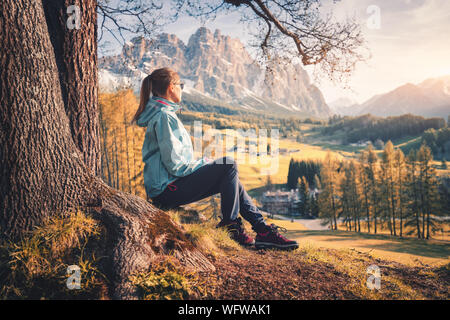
(156, 83)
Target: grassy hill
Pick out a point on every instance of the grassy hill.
(328, 265)
(36, 267)
(310, 272)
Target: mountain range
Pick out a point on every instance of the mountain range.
(430, 98)
(215, 68)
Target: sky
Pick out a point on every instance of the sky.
(409, 41)
(411, 44)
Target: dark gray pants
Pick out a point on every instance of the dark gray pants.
(219, 176)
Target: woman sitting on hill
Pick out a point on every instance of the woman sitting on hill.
(172, 177)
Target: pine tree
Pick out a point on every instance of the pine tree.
(328, 200)
(291, 178)
(388, 188)
(399, 159)
(346, 212)
(365, 186)
(304, 196)
(351, 195)
(412, 185)
(374, 182)
(315, 205)
(429, 191)
(317, 183)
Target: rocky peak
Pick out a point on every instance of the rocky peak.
(220, 67)
(135, 49)
(202, 35)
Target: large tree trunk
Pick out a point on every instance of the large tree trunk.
(42, 171)
(76, 60)
(41, 168)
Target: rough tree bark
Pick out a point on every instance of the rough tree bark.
(76, 60)
(42, 171)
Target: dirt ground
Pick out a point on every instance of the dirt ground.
(252, 274)
(316, 271)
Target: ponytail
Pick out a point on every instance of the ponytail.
(156, 83)
(146, 89)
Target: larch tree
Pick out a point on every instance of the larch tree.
(373, 177)
(365, 186)
(328, 200)
(431, 202)
(351, 194)
(413, 199)
(399, 159)
(345, 187)
(388, 186)
(116, 109)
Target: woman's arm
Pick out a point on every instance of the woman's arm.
(178, 157)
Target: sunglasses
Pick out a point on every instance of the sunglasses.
(181, 85)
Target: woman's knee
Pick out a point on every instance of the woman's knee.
(229, 161)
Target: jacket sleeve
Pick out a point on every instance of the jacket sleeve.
(176, 156)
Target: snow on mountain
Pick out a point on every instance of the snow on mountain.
(215, 66)
(429, 99)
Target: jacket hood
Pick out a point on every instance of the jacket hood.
(154, 106)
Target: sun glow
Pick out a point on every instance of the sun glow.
(444, 72)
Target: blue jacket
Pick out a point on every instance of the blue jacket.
(167, 151)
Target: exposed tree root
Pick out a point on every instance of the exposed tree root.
(138, 233)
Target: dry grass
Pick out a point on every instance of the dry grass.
(167, 280)
(348, 266)
(408, 251)
(207, 237)
(36, 267)
(355, 263)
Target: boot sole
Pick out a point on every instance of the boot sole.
(251, 244)
(268, 245)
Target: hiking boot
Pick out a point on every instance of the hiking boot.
(271, 238)
(237, 232)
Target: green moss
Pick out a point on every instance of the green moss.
(36, 266)
(175, 238)
(164, 282)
